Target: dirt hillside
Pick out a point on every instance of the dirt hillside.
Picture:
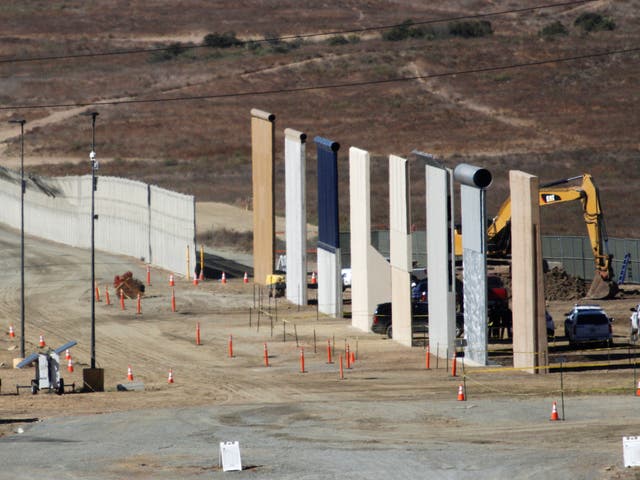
(512, 97)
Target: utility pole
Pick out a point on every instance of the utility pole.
(23, 188)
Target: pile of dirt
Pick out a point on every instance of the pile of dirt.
(559, 285)
(128, 284)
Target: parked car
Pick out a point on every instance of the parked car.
(419, 319)
(588, 324)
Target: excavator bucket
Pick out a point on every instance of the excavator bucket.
(602, 289)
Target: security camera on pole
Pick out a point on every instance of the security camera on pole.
(93, 377)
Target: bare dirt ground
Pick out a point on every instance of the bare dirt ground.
(390, 415)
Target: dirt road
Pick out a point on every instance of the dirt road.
(389, 418)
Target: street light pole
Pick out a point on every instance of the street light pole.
(94, 167)
(23, 189)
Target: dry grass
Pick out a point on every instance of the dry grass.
(555, 120)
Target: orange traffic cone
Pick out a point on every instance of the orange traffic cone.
(107, 298)
(201, 277)
(173, 300)
(170, 379)
(12, 334)
(67, 355)
(172, 282)
(313, 278)
(638, 390)
(554, 412)
(224, 278)
(148, 274)
(70, 365)
(97, 292)
(121, 299)
(129, 374)
(246, 278)
(41, 341)
(195, 279)
(139, 306)
(461, 397)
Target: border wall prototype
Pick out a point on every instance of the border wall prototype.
(135, 219)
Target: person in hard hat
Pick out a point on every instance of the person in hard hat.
(634, 323)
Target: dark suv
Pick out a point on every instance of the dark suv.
(419, 319)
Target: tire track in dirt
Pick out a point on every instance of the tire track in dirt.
(448, 95)
(539, 136)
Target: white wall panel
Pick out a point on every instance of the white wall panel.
(296, 216)
(400, 246)
(440, 260)
(370, 272)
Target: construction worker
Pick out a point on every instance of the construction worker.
(634, 323)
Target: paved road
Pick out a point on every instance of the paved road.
(322, 439)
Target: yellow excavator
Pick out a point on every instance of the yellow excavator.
(499, 231)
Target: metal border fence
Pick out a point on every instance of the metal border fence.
(573, 252)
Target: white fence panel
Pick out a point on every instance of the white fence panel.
(122, 207)
(135, 219)
(173, 229)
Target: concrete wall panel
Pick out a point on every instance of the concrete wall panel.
(262, 159)
(530, 349)
(400, 245)
(474, 273)
(440, 259)
(370, 272)
(329, 283)
(329, 259)
(296, 215)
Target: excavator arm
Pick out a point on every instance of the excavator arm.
(603, 285)
(499, 231)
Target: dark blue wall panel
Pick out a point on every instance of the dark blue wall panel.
(328, 226)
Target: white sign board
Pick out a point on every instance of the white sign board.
(230, 456)
(631, 451)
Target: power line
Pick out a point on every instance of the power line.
(333, 85)
(294, 37)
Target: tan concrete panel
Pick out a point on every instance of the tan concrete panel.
(262, 158)
(529, 329)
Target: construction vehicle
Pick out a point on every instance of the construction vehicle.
(499, 231)
(276, 285)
